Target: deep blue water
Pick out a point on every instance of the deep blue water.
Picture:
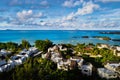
(56, 36)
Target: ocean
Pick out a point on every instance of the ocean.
(57, 36)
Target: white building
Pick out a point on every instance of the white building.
(112, 66)
(33, 49)
(79, 61)
(56, 47)
(24, 55)
(55, 57)
(103, 46)
(105, 73)
(116, 50)
(61, 48)
(43, 56)
(64, 65)
(87, 69)
(4, 66)
(2, 62)
(18, 59)
(5, 52)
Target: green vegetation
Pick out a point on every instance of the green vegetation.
(107, 54)
(43, 45)
(9, 46)
(41, 69)
(25, 44)
(36, 68)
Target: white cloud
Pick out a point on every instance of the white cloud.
(24, 14)
(108, 21)
(28, 15)
(72, 3)
(70, 17)
(44, 3)
(108, 1)
(75, 20)
(88, 8)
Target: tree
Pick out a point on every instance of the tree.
(25, 44)
(11, 46)
(43, 45)
(80, 48)
(3, 46)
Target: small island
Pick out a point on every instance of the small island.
(80, 37)
(102, 38)
(110, 32)
(118, 40)
(85, 36)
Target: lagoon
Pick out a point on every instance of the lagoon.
(57, 36)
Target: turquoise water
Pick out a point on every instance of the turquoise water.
(56, 36)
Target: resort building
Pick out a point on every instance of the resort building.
(112, 65)
(105, 73)
(87, 69)
(4, 66)
(64, 64)
(116, 51)
(4, 52)
(100, 46)
(16, 59)
(33, 49)
(79, 61)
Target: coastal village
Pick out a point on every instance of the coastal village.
(109, 70)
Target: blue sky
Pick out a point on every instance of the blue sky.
(60, 14)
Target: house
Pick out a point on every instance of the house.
(2, 57)
(116, 50)
(57, 48)
(105, 73)
(12, 64)
(64, 64)
(48, 55)
(118, 71)
(55, 56)
(94, 56)
(117, 53)
(24, 51)
(53, 49)
(62, 48)
(24, 54)
(100, 46)
(29, 53)
(112, 65)
(79, 61)
(87, 69)
(4, 66)
(43, 56)
(73, 64)
(18, 59)
(33, 49)
(2, 62)
(37, 53)
(4, 52)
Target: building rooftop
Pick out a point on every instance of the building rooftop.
(106, 71)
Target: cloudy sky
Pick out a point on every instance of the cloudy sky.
(59, 14)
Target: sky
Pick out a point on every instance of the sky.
(60, 14)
